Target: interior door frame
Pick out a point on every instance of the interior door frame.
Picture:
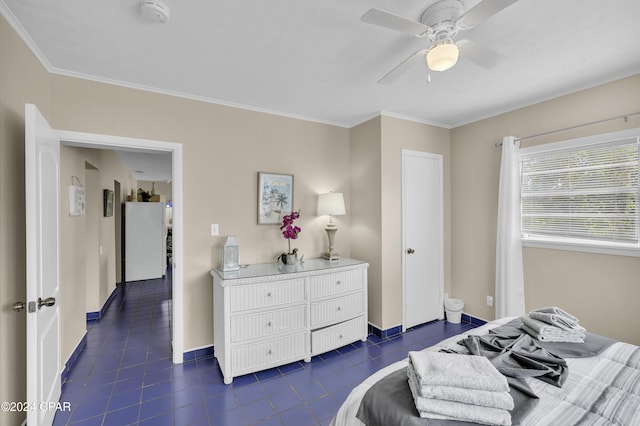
(93, 140)
(440, 159)
(117, 216)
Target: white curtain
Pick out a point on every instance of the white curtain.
(509, 299)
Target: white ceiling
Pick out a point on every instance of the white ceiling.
(145, 165)
(318, 61)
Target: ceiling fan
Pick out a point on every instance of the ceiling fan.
(439, 25)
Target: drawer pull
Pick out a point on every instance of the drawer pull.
(338, 282)
(269, 323)
(269, 294)
(339, 308)
(341, 336)
(270, 352)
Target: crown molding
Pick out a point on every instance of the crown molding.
(22, 33)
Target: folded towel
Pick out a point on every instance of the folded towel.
(548, 329)
(448, 410)
(463, 371)
(565, 336)
(557, 317)
(502, 400)
(556, 311)
(556, 321)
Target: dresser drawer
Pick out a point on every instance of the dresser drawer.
(250, 326)
(329, 338)
(339, 282)
(263, 295)
(331, 311)
(262, 355)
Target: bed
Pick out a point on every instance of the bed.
(602, 389)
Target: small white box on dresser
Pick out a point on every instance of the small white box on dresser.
(267, 315)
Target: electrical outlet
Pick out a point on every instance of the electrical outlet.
(215, 230)
(489, 300)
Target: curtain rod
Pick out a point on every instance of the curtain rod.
(625, 117)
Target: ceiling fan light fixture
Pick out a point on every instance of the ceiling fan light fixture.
(154, 11)
(442, 56)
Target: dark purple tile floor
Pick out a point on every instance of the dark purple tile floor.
(125, 376)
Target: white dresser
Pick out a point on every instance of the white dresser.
(269, 314)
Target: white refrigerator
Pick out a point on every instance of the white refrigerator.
(145, 241)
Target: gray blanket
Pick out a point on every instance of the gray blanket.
(592, 346)
(389, 401)
(518, 357)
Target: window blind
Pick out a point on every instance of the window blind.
(587, 193)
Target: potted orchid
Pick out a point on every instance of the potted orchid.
(290, 232)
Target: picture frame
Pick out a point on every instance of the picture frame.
(275, 197)
(107, 196)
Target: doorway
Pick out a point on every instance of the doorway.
(422, 238)
(97, 141)
(117, 217)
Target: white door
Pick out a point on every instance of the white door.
(42, 171)
(423, 238)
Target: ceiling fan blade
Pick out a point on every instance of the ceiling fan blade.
(482, 11)
(403, 67)
(485, 57)
(392, 21)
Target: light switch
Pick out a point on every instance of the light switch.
(215, 230)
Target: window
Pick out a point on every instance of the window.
(582, 194)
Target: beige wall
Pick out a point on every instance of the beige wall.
(111, 168)
(87, 276)
(602, 290)
(77, 266)
(366, 208)
(376, 162)
(91, 236)
(397, 135)
(223, 149)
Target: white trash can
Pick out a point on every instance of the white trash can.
(453, 307)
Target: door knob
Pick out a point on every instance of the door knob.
(18, 306)
(410, 251)
(49, 301)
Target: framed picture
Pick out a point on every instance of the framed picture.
(107, 195)
(275, 197)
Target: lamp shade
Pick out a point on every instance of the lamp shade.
(442, 56)
(331, 203)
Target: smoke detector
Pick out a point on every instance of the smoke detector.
(154, 11)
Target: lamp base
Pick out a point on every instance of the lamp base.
(331, 256)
